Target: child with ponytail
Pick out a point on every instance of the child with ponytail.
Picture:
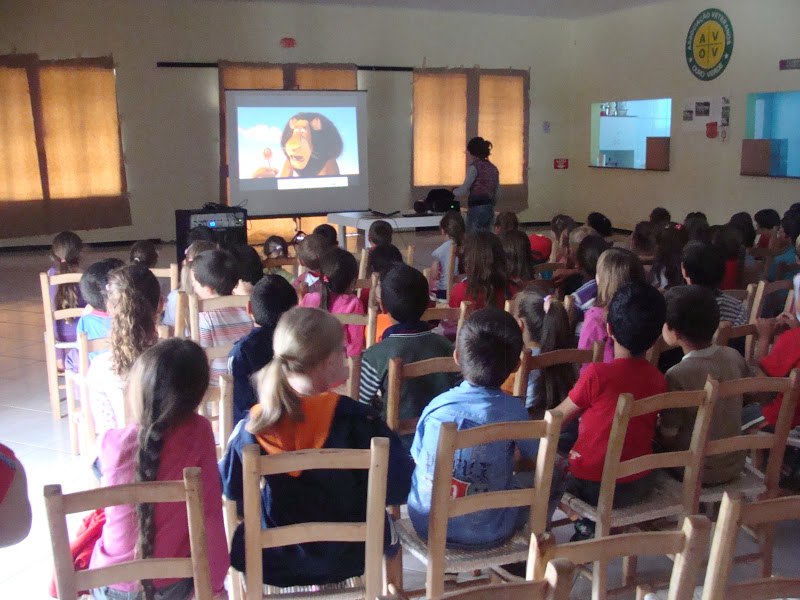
(65, 254)
(166, 385)
(338, 275)
(134, 302)
(298, 410)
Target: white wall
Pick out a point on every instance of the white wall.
(638, 53)
(170, 119)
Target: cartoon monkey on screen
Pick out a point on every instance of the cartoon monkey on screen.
(311, 144)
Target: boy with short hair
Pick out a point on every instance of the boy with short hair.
(488, 350)
(380, 233)
(404, 296)
(635, 318)
(704, 264)
(691, 321)
(214, 274)
(271, 297)
(787, 237)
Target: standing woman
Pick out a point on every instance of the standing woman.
(481, 186)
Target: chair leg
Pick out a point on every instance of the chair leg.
(52, 381)
(72, 417)
(766, 540)
(629, 564)
(600, 580)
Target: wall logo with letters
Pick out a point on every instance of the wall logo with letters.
(709, 44)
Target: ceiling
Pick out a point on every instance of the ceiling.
(570, 9)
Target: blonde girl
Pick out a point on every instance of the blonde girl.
(298, 410)
(615, 268)
(166, 385)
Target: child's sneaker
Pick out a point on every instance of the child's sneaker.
(584, 530)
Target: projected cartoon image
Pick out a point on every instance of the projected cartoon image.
(308, 143)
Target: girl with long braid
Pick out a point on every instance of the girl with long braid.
(65, 254)
(165, 386)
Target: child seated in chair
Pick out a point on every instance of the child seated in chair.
(692, 318)
(404, 295)
(635, 318)
(488, 350)
(214, 274)
(271, 297)
(298, 410)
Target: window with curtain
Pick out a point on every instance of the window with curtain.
(451, 106)
(268, 76)
(61, 161)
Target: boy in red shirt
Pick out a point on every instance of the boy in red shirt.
(635, 318)
(779, 362)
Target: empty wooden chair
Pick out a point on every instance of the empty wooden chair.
(669, 498)
(190, 490)
(398, 372)
(255, 466)
(51, 317)
(753, 483)
(171, 273)
(81, 421)
(687, 547)
(735, 514)
(433, 552)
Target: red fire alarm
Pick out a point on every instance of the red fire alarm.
(560, 163)
(288, 42)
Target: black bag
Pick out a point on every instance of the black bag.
(438, 200)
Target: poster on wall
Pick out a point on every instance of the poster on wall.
(709, 44)
(699, 112)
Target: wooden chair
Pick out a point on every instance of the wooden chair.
(81, 421)
(727, 332)
(687, 547)
(408, 255)
(181, 315)
(51, 317)
(190, 490)
(400, 371)
(763, 290)
(256, 466)
(745, 297)
(556, 585)
(434, 553)
(753, 483)
(363, 260)
(370, 283)
(452, 259)
(198, 305)
(354, 379)
(529, 362)
(654, 353)
(669, 498)
(448, 314)
(368, 320)
(287, 263)
(735, 514)
(171, 273)
(547, 267)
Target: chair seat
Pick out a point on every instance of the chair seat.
(352, 588)
(664, 594)
(664, 501)
(750, 483)
(459, 560)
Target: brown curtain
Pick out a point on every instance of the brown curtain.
(61, 165)
(268, 76)
(453, 105)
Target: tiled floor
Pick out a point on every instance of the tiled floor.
(42, 444)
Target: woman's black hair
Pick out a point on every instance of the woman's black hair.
(479, 147)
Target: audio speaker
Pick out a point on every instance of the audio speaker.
(228, 224)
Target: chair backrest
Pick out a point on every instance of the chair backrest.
(761, 515)
(654, 352)
(408, 255)
(547, 267)
(85, 347)
(763, 290)
(556, 585)
(198, 305)
(190, 490)
(451, 268)
(369, 283)
(256, 466)
(450, 314)
(369, 321)
(51, 315)
(224, 413)
(354, 378)
(528, 363)
(287, 263)
(687, 546)
(171, 273)
(727, 332)
(775, 442)
(400, 371)
(181, 314)
(362, 263)
(690, 460)
(444, 507)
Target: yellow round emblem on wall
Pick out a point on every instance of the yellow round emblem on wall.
(709, 44)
